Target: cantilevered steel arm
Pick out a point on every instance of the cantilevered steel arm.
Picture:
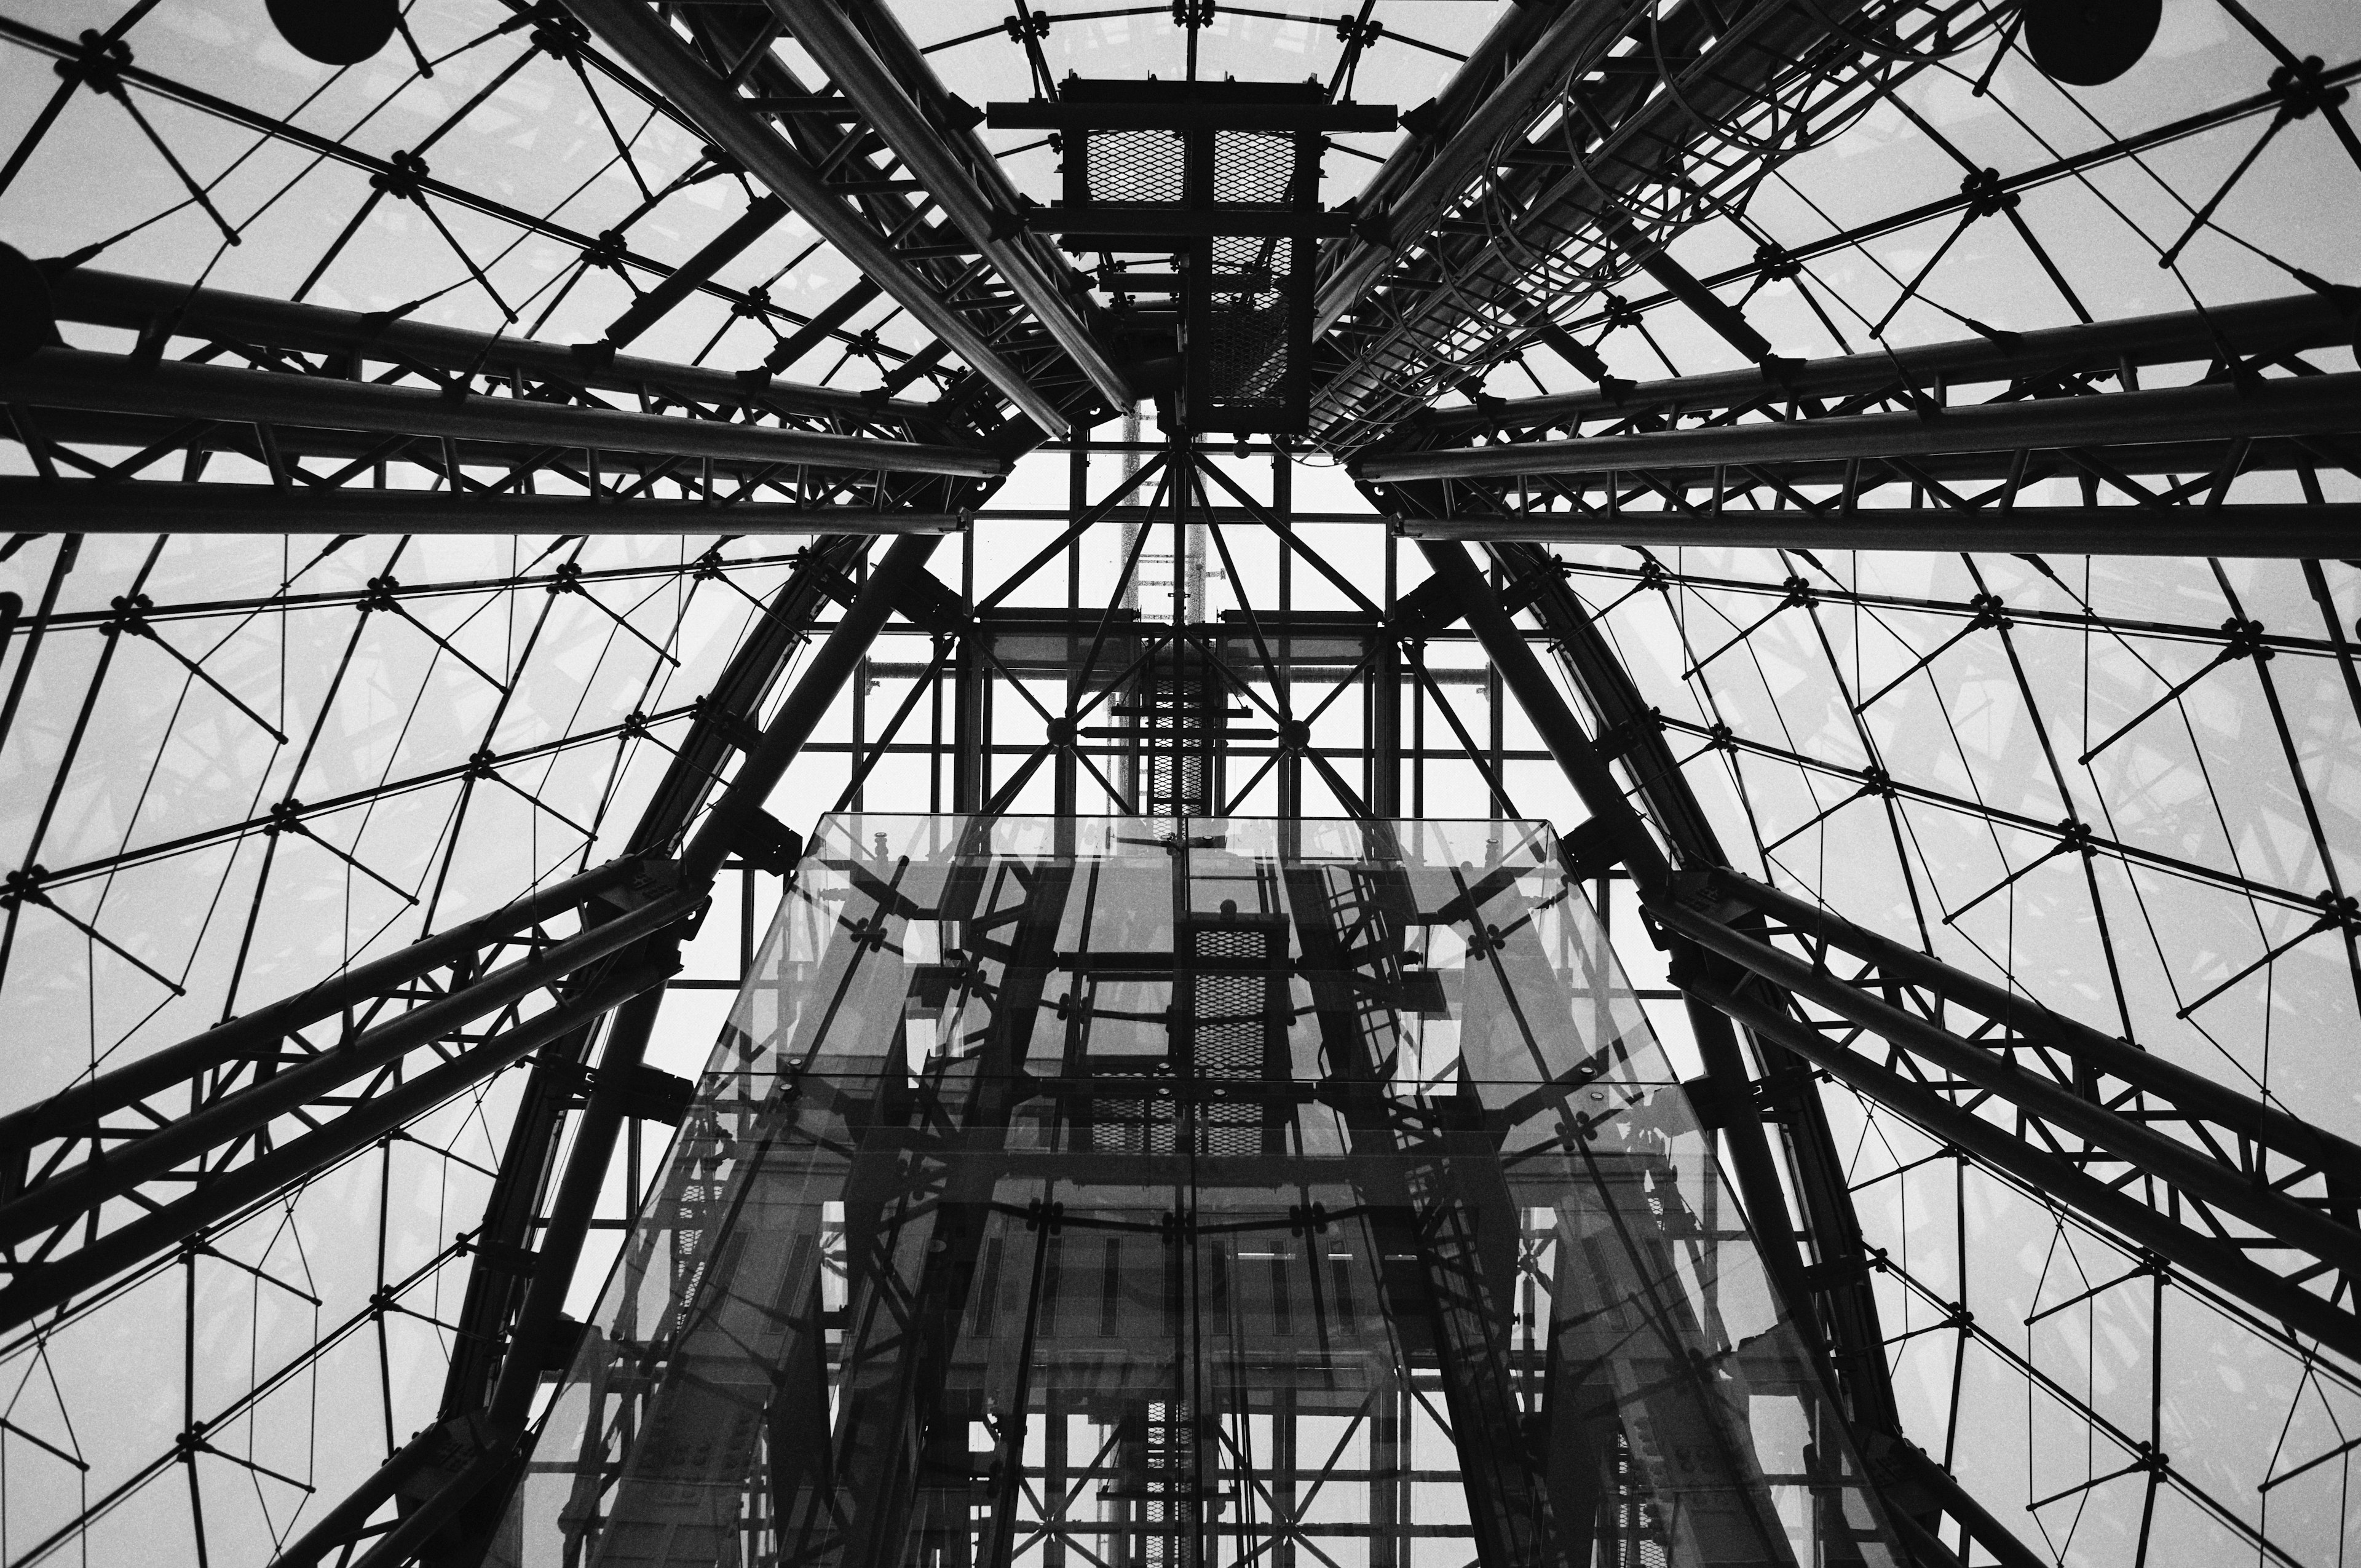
(1391, 222)
(2309, 405)
(2292, 531)
(955, 169)
(71, 1231)
(114, 383)
(2223, 1264)
(149, 305)
(2266, 328)
(648, 44)
(89, 506)
(824, 677)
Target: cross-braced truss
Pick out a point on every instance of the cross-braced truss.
(1999, 874)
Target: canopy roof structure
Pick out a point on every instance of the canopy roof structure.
(1839, 514)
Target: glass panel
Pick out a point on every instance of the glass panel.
(1169, 1193)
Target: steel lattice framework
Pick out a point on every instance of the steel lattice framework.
(1935, 640)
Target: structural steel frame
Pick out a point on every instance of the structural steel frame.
(1542, 146)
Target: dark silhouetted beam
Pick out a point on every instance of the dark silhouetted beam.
(82, 506)
(761, 217)
(115, 299)
(824, 676)
(1391, 223)
(112, 383)
(647, 42)
(2311, 405)
(2218, 1261)
(954, 167)
(1047, 116)
(262, 1032)
(2290, 1221)
(1465, 588)
(2268, 327)
(2290, 532)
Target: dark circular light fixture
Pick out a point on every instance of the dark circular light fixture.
(335, 32)
(2085, 43)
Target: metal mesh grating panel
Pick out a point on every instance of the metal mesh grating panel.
(1252, 167)
(1133, 166)
(1231, 944)
(1248, 355)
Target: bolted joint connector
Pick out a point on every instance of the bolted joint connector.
(557, 32)
(404, 180)
(1984, 194)
(2302, 89)
(605, 252)
(2246, 640)
(130, 615)
(25, 887)
(98, 64)
(1776, 264)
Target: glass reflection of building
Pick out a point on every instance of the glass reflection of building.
(1184, 1192)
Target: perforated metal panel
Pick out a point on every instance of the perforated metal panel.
(1247, 350)
(1253, 168)
(1133, 166)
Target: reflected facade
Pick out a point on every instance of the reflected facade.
(1132, 1193)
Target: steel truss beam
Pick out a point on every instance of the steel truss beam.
(2263, 331)
(67, 1166)
(155, 308)
(2294, 531)
(889, 83)
(2268, 102)
(1402, 202)
(2079, 1102)
(1831, 1305)
(329, 149)
(648, 43)
(196, 1119)
(178, 388)
(1596, 182)
(2301, 406)
(489, 1394)
(93, 507)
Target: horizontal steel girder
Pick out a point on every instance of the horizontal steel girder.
(261, 1034)
(1641, 134)
(2293, 531)
(955, 169)
(85, 506)
(2054, 1177)
(140, 304)
(2311, 405)
(2199, 1097)
(824, 674)
(35, 1289)
(2264, 327)
(647, 42)
(1392, 223)
(123, 1160)
(2073, 1115)
(109, 383)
